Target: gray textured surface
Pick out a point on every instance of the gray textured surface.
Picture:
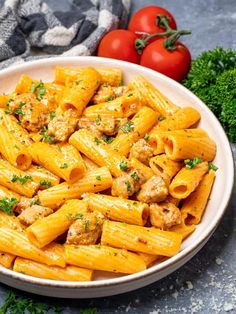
(206, 284)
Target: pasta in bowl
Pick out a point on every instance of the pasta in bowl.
(98, 174)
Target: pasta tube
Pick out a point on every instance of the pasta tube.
(183, 229)
(7, 259)
(16, 180)
(111, 76)
(118, 209)
(10, 222)
(140, 124)
(141, 239)
(161, 164)
(194, 206)
(178, 147)
(119, 107)
(13, 150)
(145, 170)
(16, 243)
(42, 176)
(4, 192)
(186, 180)
(98, 151)
(151, 96)
(24, 84)
(148, 258)
(78, 94)
(89, 164)
(101, 257)
(62, 160)
(93, 181)
(41, 233)
(35, 269)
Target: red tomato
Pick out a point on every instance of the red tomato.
(173, 63)
(144, 20)
(119, 44)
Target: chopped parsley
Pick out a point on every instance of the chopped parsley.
(134, 175)
(52, 115)
(98, 178)
(21, 180)
(211, 166)
(161, 118)
(123, 165)
(86, 225)
(127, 127)
(34, 202)
(107, 139)
(146, 137)
(18, 110)
(97, 121)
(78, 82)
(40, 88)
(109, 98)
(128, 186)
(46, 184)
(7, 109)
(190, 164)
(47, 138)
(64, 166)
(79, 216)
(97, 141)
(7, 204)
(69, 216)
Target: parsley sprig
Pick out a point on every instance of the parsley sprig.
(7, 205)
(47, 138)
(190, 164)
(20, 179)
(127, 127)
(40, 89)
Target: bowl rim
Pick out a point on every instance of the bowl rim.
(186, 251)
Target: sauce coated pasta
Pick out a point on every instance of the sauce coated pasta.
(97, 175)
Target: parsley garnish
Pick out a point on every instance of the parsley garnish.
(211, 166)
(64, 166)
(47, 138)
(127, 127)
(86, 225)
(128, 186)
(109, 98)
(7, 204)
(21, 180)
(69, 216)
(134, 175)
(97, 141)
(34, 202)
(123, 165)
(98, 178)
(146, 137)
(79, 216)
(41, 90)
(18, 111)
(97, 121)
(107, 139)
(192, 163)
(78, 82)
(8, 110)
(45, 183)
(161, 118)
(52, 115)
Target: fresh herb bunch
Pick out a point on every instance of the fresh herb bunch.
(213, 79)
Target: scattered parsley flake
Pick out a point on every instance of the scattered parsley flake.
(127, 127)
(161, 118)
(97, 121)
(46, 184)
(109, 98)
(128, 186)
(107, 139)
(146, 137)
(69, 216)
(52, 115)
(190, 164)
(46, 138)
(21, 180)
(211, 166)
(40, 88)
(79, 216)
(78, 82)
(35, 202)
(123, 165)
(64, 166)
(134, 175)
(7, 204)
(86, 225)
(97, 141)
(98, 178)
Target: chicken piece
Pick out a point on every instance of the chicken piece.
(119, 90)
(89, 125)
(142, 151)
(33, 115)
(127, 184)
(153, 191)
(63, 125)
(86, 230)
(105, 93)
(33, 213)
(24, 203)
(164, 215)
(106, 125)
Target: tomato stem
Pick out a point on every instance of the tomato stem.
(171, 35)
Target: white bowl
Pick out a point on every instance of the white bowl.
(115, 284)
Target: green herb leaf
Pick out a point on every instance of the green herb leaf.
(46, 184)
(211, 166)
(161, 118)
(109, 98)
(146, 137)
(97, 121)
(98, 178)
(47, 138)
(107, 139)
(52, 115)
(79, 216)
(7, 205)
(127, 127)
(123, 165)
(21, 180)
(86, 225)
(134, 175)
(35, 202)
(190, 164)
(64, 166)
(128, 186)
(97, 141)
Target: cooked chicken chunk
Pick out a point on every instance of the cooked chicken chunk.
(86, 230)
(106, 125)
(142, 151)
(104, 93)
(63, 125)
(24, 203)
(32, 114)
(153, 191)
(127, 184)
(33, 213)
(164, 215)
(119, 90)
(89, 125)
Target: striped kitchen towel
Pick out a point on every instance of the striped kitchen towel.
(32, 28)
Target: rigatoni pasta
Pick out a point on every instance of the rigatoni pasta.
(64, 142)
